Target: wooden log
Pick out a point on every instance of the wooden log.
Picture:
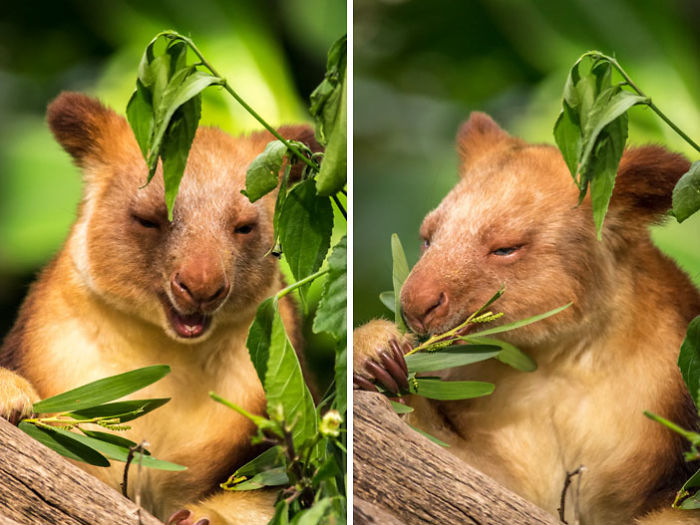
(39, 486)
(420, 482)
(366, 513)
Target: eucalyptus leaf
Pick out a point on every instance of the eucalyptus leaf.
(686, 194)
(430, 437)
(449, 357)
(119, 453)
(399, 408)
(115, 439)
(263, 174)
(689, 359)
(305, 225)
(388, 299)
(102, 391)
(66, 446)
(450, 390)
(508, 354)
(517, 324)
(124, 410)
(399, 275)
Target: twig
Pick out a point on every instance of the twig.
(567, 482)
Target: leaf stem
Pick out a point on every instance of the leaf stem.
(176, 36)
(340, 206)
(302, 282)
(654, 107)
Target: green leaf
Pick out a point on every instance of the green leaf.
(313, 515)
(601, 168)
(399, 408)
(281, 516)
(115, 439)
(103, 390)
(509, 354)
(686, 194)
(176, 148)
(285, 387)
(326, 97)
(430, 437)
(567, 134)
(139, 113)
(399, 275)
(124, 410)
(263, 174)
(450, 390)
(305, 225)
(258, 341)
(450, 357)
(271, 458)
(329, 109)
(331, 315)
(119, 453)
(341, 378)
(332, 175)
(689, 359)
(66, 446)
(388, 299)
(693, 501)
(267, 478)
(260, 421)
(517, 324)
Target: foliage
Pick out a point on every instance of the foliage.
(90, 405)
(307, 454)
(591, 132)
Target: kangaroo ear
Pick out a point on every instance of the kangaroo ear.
(83, 126)
(645, 181)
(477, 136)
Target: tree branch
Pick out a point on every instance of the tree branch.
(39, 486)
(421, 483)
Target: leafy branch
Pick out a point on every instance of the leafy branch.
(591, 132)
(90, 404)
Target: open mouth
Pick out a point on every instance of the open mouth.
(189, 326)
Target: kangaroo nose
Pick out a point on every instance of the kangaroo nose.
(423, 306)
(198, 286)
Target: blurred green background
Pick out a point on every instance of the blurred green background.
(421, 67)
(272, 52)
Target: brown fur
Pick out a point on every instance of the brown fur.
(602, 361)
(101, 307)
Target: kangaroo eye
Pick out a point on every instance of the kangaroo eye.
(244, 229)
(505, 251)
(426, 244)
(146, 223)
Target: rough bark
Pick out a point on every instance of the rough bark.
(420, 482)
(39, 486)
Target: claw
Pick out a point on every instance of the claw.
(399, 355)
(176, 517)
(363, 383)
(382, 376)
(394, 368)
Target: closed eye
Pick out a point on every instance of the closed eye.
(146, 223)
(502, 252)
